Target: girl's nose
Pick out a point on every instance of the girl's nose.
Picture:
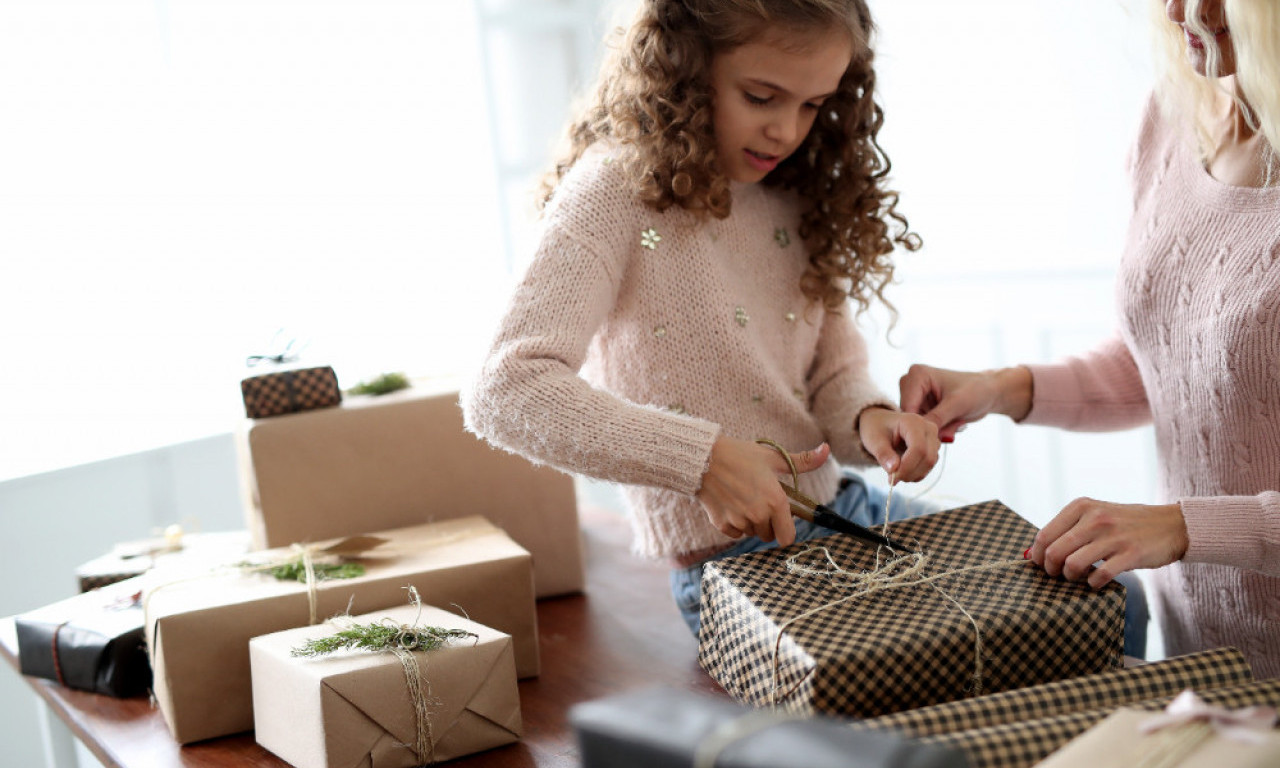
(783, 129)
(1175, 10)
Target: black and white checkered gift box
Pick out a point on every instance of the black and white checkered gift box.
(1217, 668)
(290, 391)
(909, 646)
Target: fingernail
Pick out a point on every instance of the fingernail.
(1026, 553)
(950, 439)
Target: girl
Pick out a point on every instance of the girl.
(1196, 352)
(722, 198)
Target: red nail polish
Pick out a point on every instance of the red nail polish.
(1026, 553)
(951, 439)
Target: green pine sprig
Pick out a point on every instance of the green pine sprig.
(294, 570)
(381, 385)
(380, 637)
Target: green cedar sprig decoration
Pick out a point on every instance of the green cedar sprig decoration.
(381, 385)
(295, 570)
(382, 637)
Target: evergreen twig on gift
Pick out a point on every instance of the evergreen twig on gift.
(381, 385)
(296, 570)
(382, 637)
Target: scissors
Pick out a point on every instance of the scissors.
(806, 508)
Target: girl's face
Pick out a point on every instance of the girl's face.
(1214, 18)
(766, 95)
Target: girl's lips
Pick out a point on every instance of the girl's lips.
(763, 163)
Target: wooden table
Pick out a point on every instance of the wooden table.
(624, 633)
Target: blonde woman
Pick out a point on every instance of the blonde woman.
(1197, 352)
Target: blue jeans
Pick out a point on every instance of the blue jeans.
(864, 504)
(856, 501)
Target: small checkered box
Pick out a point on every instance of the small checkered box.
(292, 391)
(907, 646)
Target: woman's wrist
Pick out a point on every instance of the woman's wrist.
(1016, 390)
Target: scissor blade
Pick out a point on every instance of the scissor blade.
(825, 517)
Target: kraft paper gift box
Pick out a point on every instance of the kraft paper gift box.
(90, 642)
(1118, 742)
(666, 728)
(1021, 744)
(198, 627)
(809, 643)
(400, 459)
(354, 709)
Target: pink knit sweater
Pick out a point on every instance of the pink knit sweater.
(1198, 353)
(637, 337)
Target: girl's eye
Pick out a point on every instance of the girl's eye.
(810, 105)
(754, 99)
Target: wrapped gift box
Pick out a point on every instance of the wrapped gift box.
(1216, 668)
(91, 642)
(664, 728)
(402, 459)
(353, 708)
(135, 558)
(812, 644)
(290, 391)
(1023, 743)
(1117, 742)
(198, 628)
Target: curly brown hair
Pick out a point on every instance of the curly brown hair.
(654, 101)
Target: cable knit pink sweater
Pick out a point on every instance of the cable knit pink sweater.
(681, 329)
(1198, 353)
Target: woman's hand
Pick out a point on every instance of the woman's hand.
(952, 399)
(741, 494)
(1118, 537)
(883, 431)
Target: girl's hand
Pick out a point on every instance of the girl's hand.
(741, 494)
(952, 399)
(882, 432)
(1118, 537)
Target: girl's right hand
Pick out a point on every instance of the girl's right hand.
(741, 493)
(952, 399)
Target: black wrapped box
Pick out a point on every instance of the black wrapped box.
(90, 642)
(667, 728)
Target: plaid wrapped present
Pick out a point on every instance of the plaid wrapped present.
(1022, 744)
(1216, 668)
(291, 391)
(974, 619)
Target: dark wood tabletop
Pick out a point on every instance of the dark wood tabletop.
(623, 633)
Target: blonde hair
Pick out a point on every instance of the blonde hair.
(1187, 95)
(654, 101)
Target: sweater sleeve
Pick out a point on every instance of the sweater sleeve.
(840, 386)
(529, 399)
(1241, 531)
(1096, 392)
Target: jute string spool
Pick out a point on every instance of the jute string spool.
(897, 573)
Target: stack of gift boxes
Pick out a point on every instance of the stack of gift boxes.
(476, 535)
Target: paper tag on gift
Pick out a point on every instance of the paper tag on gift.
(353, 545)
